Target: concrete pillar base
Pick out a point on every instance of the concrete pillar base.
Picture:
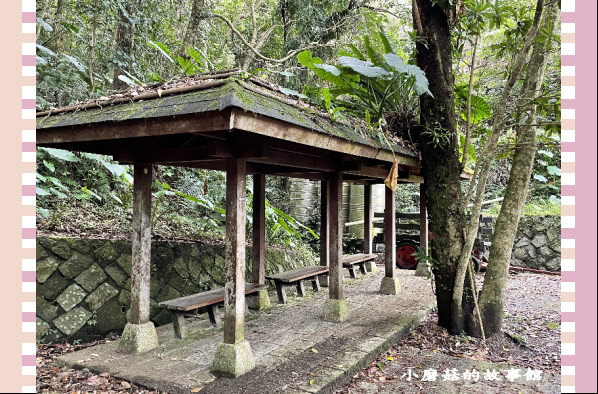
(371, 267)
(260, 302)
(390, 286)
(336, 311)
(422, 269)
(139, 338)
(323, 280)
(233, 359)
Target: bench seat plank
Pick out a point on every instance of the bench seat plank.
(299, 274)
(206, 298)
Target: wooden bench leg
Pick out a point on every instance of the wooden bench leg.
(352, 272)
(282, 296)
(178, 322)
(300, 288)
(315, 283)
(362, 268)
(212, 311)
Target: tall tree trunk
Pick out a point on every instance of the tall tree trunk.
(438, 143)
(191, 32)
(125, 32)
(492, 299)
(459, 314)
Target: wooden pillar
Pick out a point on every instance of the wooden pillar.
(233, 356)
(390, 283)
(422, 268)
(139, 335)
(390, 234)
(367, 219)
(259, 229)
(336, 236)
(324, 228)
(234, 296)
(142, 239)
(258, 269)
(336, 308)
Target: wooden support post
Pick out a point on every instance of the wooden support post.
(324, 228)
(142, 242)
(390, 283)
(336, 308)
(368, 225)
(259, 229)
(422, 267)
(258, 269)
(178, 323)
(336, 236)
(368, 228)
(234, 296)
(390, 234)
(139, 334)
(233, 356)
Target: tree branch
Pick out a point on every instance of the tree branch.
(261, 56)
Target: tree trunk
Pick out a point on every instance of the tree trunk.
(493, 294)
(125, 31)
(438, 143)
(191, 32)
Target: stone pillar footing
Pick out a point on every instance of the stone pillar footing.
(233, 359)
(390, 286)
(323, 280)
(259, 302)
(336, 311)
(139, 338)
(422, 269)
(371, 267)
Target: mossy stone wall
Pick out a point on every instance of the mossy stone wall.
(84, 285)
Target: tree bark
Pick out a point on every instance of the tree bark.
(125, 31)
(461, 315)
(493, 294)
(191, 31)
(438, 141)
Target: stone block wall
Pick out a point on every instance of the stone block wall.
(84, 285)
(538, 243)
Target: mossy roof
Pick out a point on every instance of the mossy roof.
(233, 93)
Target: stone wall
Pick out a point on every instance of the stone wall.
(538, 243)
(84, 285)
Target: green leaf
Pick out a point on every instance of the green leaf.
(363, 67)
(44, 25)
(540, 178)
(384, 38)
(41, 191)
(45, 50)
(162, 49)
(127, 80)
(291, 92)
(395, 62)
(114, 168)
(552, 170)
(49, 165)
(61, 154)
(356, 52)
(546, 153)
(195, 55)
(186, 65)
(59, 194)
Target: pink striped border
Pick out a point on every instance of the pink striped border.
(28, 226)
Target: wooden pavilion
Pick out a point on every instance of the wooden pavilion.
(221, 122)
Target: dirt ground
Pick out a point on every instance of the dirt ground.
(531, 339)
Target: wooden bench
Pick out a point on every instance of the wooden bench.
(179, 307)
(296, 278)
(359, 260)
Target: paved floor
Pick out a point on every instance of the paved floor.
(294, 350)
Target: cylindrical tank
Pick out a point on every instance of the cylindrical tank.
(357, 206)
(303, 195)
(346, 208)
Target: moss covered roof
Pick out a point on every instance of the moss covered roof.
(232, 93)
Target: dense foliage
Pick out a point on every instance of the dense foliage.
(352, 58)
